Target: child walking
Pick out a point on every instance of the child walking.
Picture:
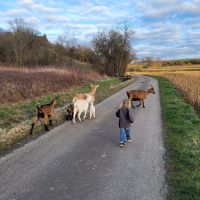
(125, 119)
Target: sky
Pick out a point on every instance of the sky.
(165, 29)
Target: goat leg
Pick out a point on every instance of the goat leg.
(50, 122)
(31, 131)
(90, 115)
(84, 115)
(139, 104)
(79, 116)
(143, 103)
(69, 117)
(46, 122)
(33, 124)
(74, 116)
(132, 105)
(46, 127)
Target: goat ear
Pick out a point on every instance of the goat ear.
(91, 85)
(97, 86)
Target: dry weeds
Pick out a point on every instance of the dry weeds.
(19, 84)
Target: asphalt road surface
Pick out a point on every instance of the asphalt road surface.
(84, 161)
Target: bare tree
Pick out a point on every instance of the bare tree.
(22, 39)
(69, 43)
(148, 61)
(114, 48)
(66, 40)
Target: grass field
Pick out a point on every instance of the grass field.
(182, 143)
(15, 119)
(141, 68)
(175, 68)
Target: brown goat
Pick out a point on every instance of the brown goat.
(139, 95)
(90, 96)
(45, 112)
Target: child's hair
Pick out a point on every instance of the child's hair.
(126, 103)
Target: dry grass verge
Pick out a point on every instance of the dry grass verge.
(19, 84)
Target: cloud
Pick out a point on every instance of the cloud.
(191, 7)
(167, 9)
(16, 12)
(57, 18)
(38, 7)
(167, 52)
(103, 10)
(159, 34)
(33, 21)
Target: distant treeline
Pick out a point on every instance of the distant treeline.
(24, 46)
(181, 62)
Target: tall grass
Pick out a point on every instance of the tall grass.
(188, 83)
(19, 84)
(157, 68)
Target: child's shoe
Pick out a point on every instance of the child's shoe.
(122, 144)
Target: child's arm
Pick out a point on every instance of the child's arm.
(117, 113)
(130, 116)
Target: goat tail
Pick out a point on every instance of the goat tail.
(128, 94)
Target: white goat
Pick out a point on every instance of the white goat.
(89, 97)
(80, 106)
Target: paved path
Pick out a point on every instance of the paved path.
(85, 162)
